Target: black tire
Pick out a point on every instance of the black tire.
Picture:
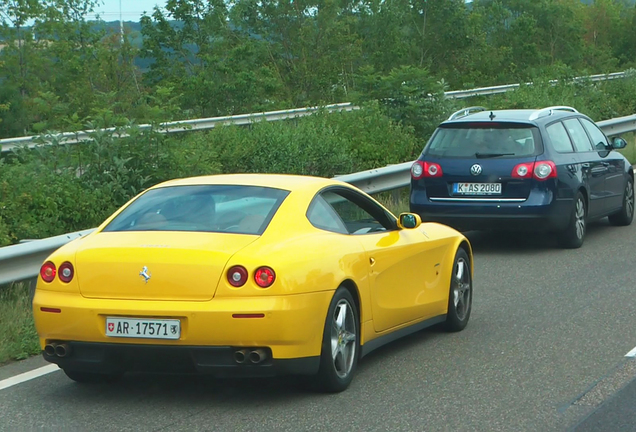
(625, 216)
(91, 377)
(460, 294)
(574, 234)
(332, 378)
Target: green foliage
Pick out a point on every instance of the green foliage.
(324, 144)
(408, 95)
(207, 58)
(599, 100)
(62, 188)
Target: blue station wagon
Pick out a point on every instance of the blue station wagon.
(551, 170)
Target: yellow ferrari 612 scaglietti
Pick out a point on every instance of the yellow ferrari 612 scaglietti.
(248, 275)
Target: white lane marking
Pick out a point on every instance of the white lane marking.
(9, 382)
(632, 353)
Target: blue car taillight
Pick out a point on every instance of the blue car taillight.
(539, 170)
(421, 169)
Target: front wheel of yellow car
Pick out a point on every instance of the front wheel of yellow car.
(340, 344)
(460, 297)
(90, 377)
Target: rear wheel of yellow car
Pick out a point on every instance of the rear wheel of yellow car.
(90, 377)
(340, 344)
(460, 297)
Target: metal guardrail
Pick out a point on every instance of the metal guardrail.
(486, 91)
(23, 261)
(8, 144)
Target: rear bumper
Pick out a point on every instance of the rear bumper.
(540, 212)
(291, 329)
(216, 361)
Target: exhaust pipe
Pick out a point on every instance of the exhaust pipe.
(62, 350)
(49, 349)
(240, 356)
(257, 356)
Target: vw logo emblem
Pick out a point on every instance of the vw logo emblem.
(475, 169)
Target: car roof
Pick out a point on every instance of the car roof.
(530, 116)
(288, 182)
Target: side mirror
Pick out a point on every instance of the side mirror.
(618, 143)
(409, 220)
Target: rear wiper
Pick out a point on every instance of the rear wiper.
(492, 155)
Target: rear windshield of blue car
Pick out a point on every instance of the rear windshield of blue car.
(475, 140)
(205, 208)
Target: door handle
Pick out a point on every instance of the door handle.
(371, 260)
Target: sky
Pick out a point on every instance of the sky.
(131, 9)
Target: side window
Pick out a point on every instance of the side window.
(357, 219)
(598, 138)
(579, 137)
(559, 138)
(322, 215)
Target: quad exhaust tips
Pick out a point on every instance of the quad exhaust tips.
(257, 356)
(57, 349)
(49, 349)
(241, 356)
(250, 356)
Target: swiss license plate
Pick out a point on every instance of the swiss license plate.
(143, 328)
(477, 188)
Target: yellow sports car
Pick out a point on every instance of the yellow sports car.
(248, 275)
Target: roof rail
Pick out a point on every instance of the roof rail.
(550, 110)
(465, 111)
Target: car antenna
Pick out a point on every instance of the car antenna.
(492, 116)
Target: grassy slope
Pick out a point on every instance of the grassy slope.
(18, 339)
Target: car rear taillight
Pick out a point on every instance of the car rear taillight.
(417, 170)
(425, 169)
(544, 170)
(66, 272)
(264, 277)
(237, 276)
(540, 170)
(47, 271)
(523, 170)
(432, 170)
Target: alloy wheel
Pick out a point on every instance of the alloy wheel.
(343, 338)
(629, 199)
(580, 218)
(461, 290)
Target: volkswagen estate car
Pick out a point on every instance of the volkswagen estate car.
(551, 169)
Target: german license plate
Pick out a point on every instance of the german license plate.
(143, 328)
(477, 188)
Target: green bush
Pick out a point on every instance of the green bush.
(324, 144)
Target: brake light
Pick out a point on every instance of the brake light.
(432, 170)
(523, 170)
(425, 169)
(544, 170)
(66, 272)
(47, 271)
(264, 277)
(237, 276)
(540, 170)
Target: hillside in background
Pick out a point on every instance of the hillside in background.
(201, 59)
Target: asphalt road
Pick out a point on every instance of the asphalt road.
(544, 349)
